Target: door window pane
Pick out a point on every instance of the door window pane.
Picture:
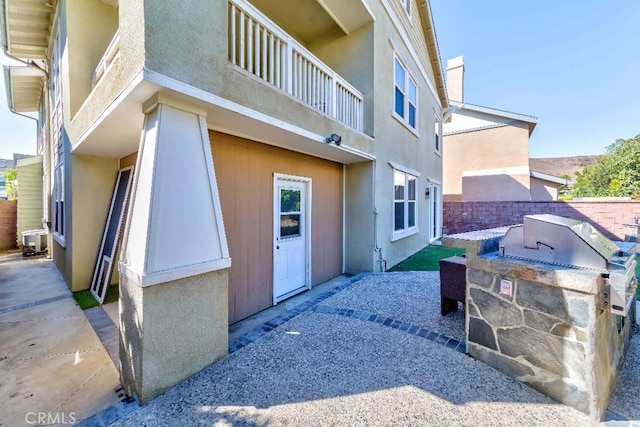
(290, 225)
(289, 200)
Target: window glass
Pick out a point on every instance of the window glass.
(400, 74)
(398, 182)
(289, 200)
(405, 95)
(399, 216)
(290, 225)
(405, 204)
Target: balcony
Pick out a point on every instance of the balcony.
(261, 48)
(109, 58)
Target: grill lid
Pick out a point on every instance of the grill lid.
(562, 241)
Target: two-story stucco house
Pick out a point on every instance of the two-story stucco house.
(486, 151)
(238, 151)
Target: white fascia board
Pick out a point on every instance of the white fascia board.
(495, 112)
(547, 177)
(516, 170)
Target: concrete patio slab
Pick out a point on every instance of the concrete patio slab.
(53, 368)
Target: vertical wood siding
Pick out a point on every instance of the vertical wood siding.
(244, 171)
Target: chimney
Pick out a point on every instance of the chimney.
(455, 79)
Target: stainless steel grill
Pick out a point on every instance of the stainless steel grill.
(576, 244)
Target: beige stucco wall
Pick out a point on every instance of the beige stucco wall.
(395, 142)
(359, 218)
(93, 179)
(497, 187)
(29, 195)
(158, 350)
(496, 148)
(544, 190)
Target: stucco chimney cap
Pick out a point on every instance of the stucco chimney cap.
(456, 62)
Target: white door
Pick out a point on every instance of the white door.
(291, 243)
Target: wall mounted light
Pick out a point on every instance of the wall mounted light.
(426, 193)
(335, 138)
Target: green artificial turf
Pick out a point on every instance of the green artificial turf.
(427, 259)
(85, 300)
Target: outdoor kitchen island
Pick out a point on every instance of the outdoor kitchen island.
(549, 303)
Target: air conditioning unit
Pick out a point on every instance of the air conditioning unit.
(34, 242)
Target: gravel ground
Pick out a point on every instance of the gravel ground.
(328, 370)
(412, 297)
(322, 369)
(626, 396)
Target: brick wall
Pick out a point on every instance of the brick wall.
(608, 216)
(8, 222)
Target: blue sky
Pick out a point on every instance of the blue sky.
(17, 134)
(575, 64)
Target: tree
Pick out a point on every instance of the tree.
(615, 174)
(11, 175)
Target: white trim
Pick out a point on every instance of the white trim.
(144, 280)
(405, 124)
(516, 170)
(404, 169)
(408, 230)
(307, 231)
(406, 104)
(60, 239)
(494, 112)
(548, 177)
(404, 36)
(401, 234)
(434, 181)
(479, 128)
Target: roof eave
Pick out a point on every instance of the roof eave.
(31, 82)
(426, 17)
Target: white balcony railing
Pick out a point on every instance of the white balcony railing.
(260, 47)
(109, 58)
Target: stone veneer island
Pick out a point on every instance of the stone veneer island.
(542, 324)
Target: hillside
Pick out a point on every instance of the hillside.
(561, 165)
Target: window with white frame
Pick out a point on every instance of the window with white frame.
(405, 95)
(438, 133)
(406, 5)
(57, 140)
(405, 206)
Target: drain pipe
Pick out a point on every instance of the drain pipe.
(382, 262)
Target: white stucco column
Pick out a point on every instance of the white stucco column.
(173, 268)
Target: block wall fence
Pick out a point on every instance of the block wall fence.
(8, 223)
(609, 217)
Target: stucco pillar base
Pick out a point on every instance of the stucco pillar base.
(170, 331)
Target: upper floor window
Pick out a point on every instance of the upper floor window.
(438, 134)
(405, 95)
(406, 5)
